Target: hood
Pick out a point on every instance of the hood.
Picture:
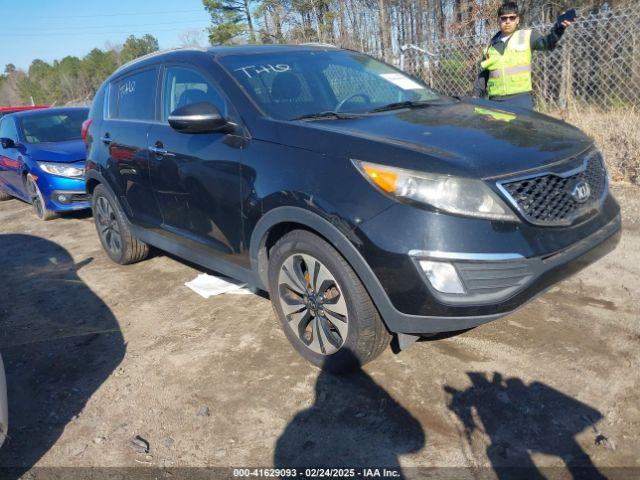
(477, 139)
(64, 152)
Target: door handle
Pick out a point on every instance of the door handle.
(106, 139)
(158, 150)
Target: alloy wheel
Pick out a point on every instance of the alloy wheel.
(108, 225)
(36, 197)
(313, 303)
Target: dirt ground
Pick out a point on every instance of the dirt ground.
(97, 353)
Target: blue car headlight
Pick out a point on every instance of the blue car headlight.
(68, 170)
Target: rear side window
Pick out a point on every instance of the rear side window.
(134, 97)
(8, 129)
(98, 104)
(183, 86)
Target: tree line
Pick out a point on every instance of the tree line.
(378, 27)
(71, 80)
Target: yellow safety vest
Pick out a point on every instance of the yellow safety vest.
(509, 73)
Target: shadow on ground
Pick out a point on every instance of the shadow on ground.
(522, 419)
(353, 423)
(59, 342)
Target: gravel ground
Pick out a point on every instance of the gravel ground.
(97, 354)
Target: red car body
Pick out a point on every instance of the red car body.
(7, 110)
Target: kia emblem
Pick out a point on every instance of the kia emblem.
(581, 192)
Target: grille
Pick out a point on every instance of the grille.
(551, 199)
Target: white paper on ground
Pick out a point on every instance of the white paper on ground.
(243, 291)
(208, 286)
(401, 81)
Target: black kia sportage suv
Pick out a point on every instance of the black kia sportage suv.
(364, 202)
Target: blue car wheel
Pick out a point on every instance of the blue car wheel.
(4, 195)
(37, 200)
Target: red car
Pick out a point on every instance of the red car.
(7, 110)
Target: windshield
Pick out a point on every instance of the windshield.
(289, 85)
(53, 126)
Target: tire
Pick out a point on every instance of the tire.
(37, 201)
(328, 287)
(113, 230)
(4, 196)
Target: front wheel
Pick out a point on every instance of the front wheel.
(325, 311)
(4, 195)
(113, 229)
(37, 201)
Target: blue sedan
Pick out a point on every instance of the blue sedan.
(42, 159)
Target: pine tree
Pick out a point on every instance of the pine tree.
(229, 20)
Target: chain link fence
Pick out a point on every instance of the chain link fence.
(596, 64)
(591, 79)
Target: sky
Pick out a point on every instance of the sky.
(53, 29)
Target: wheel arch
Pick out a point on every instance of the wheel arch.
(93, 179)
(281, 220)
(91, 185)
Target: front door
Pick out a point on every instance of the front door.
(196, 176)
(11, 160)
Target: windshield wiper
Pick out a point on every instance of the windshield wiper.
(326, 115)
(400, 105)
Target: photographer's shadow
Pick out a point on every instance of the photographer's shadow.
(353, 423)
(522, 419)
(59, 343)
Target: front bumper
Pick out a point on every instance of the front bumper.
(64, 200)
(72, 189)
(495, 285)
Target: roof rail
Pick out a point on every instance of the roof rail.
(156, 53)
(318, 44)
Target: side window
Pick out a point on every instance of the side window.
(8, 129)
(183, 86)
(134, 97)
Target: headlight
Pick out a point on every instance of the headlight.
(461, 196)
(63, 169)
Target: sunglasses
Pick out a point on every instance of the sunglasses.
(511, 18)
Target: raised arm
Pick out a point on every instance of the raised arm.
(548, 42)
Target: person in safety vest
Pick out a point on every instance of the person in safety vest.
(505, 74)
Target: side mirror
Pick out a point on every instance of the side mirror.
(202, 117)
(7, 143)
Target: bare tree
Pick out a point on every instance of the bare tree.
(191, 38)
(385, 29)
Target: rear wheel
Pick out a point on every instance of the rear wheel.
(324, 309)
(4, 195)
(113, 229)
(37, 201)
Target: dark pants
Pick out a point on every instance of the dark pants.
(522, 100)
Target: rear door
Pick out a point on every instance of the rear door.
(130, 112)
(196, 179)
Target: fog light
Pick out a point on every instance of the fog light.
(443, 276)
(63, 198)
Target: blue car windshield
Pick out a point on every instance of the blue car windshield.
(288, 85)
(53, 126)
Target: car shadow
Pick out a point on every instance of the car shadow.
(59, 343)
(78, 214)
(353, 423)
(522, 419)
